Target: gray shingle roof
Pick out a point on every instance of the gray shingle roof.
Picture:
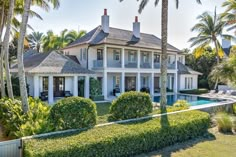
(121, 37)
(183, 69)
(51, 63)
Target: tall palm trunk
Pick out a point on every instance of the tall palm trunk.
(2, 82)
(20, 49)
(218, 61)
(164, 26)
(6, 48)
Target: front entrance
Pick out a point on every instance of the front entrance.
(130, 83)
(58, 86)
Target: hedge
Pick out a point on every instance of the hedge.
(131, 105)
(122, 139)
(73, 113)
(195, 91)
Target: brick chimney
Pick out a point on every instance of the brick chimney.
(105, 22)
(136, 28)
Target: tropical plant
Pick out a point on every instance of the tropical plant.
(35, 40)
(52, 41)
(18, 124)
(224, 122)
(225, 71)
(164, 34)
(229, 13)
(209, 28)
(204, 65)
(182, 103)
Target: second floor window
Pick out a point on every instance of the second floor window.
(99, 54)
(131, 57)
(145, 57)
(116, 55)
(156, 58)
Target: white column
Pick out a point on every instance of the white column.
(176, 83)
(105, 56)
(122, 82)
(36, 86)
(152, 84)
(75, 86)
(138, 58)
(152, 60)
(104, 89)
(170, 81)
(86, 87)
(138, 84)
(123, 58)
(50, 90)
(176, 65)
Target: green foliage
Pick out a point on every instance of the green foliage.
(224, 122)
(182, 104)
(18, 124)
(122, 139)
(234, 108)
(95, 87)
(73, 113)
(203, 64)
(131, 105)
(195, 91)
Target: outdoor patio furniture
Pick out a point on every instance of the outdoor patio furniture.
(43, 96)
(116, 90)
(67, 94)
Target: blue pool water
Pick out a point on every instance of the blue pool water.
(192, 99)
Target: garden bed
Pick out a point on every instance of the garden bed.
(123, 139)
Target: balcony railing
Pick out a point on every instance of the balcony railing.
(114, 64)
(145, 65)
(131, 65)
(98, 63)
(171, 66)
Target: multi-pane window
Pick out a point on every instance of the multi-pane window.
(131, 57)
(116, 55)
(116, 81)
(156, 58)
(84, 54)
(45, 84)
(145, 57)
(188, 82)
(99, 54)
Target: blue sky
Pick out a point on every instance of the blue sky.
(86, 15)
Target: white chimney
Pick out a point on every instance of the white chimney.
(226, 43)
(105, 22)
(136, 28)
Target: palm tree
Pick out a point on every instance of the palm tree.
(164, 34)
(229, 14)
(6, 48)
(225, 71)
(49, 41)
(20, 48)
(73, 35)
(35, 40)
(209, 28)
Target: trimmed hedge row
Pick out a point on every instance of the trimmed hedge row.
(122, 139)
(195, 91)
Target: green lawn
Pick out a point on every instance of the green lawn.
(215, 145)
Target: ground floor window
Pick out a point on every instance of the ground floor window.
(188, 82)
(45, 84)
(144, 81)
(58, 86)
(116, 82)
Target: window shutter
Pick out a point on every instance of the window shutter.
(135, 56)
(114, 55)
(114, 81)
(129, 56)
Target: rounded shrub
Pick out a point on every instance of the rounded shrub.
(182, 103)
(131, 105)
(73, 113)
(224, 122)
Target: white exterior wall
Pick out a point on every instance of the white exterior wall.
(182, 81)
(69, 84)
(92, 55)
(30, 82)
(76, 52)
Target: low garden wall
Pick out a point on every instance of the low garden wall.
(122, 139)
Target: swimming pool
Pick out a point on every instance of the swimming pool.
(192, 99)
